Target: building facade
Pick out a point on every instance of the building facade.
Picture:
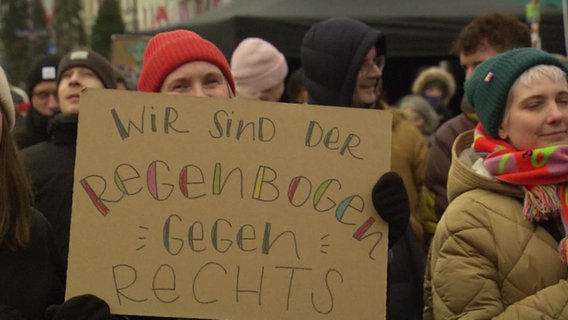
(148, 15)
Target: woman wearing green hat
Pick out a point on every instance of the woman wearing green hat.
(500, 249)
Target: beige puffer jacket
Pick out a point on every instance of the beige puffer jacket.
(486, 261)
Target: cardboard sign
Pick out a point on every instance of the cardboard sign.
(227, 208)
(127, 52)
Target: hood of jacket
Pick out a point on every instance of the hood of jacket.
(332, 53)
(463, 178)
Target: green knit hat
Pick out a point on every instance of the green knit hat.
(488, 88)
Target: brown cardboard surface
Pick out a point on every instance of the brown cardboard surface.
(228, 209)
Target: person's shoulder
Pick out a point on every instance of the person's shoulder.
(446, 134)
(410, 128)
(400, 122)
(32, 154)
(455, 126)
(478, 206)
(38, 147)
(465, 214)
(20, 127)
(39, 221)
(406, 132)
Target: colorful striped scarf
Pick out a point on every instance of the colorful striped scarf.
(542, 173)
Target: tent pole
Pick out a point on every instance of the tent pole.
(533, 18)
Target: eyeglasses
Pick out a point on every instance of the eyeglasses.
(44, 95)
(368, 65)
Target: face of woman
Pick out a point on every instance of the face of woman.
(197, 79)
(537, 115)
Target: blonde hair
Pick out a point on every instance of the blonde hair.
(539, 73)
(532, 76)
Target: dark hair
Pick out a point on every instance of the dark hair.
(295, 85)
(120, 78)
(15, 194)
(501, 31)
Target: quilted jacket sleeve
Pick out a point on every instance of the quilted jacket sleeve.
(487, 262)
(548, 303)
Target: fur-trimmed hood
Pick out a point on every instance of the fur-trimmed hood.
(435, 74)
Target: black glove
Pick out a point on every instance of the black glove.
(391, 202)
(83, 307)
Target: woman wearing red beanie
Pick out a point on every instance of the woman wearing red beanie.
(181, 62)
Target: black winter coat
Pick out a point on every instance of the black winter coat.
(50, 166)
(32, 130)
(31, 278)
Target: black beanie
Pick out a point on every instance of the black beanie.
(43, 69)
(91, 60)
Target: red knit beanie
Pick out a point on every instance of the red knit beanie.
(169, 50)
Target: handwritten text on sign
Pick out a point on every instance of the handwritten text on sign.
(211, 208)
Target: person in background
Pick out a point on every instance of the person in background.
(51, 164)
(121, 83)
(342, 86)
(21, 103)
(420, 113)
(21, 100)
(343, 61)
(295, 90)
(481, 39)
(503, 235)
(41, 87)
(259, 70)
(31, 271)
(437, 86)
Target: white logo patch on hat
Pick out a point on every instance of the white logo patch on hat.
(78, 55)
(48, 73)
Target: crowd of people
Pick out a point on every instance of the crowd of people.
(476, 203)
